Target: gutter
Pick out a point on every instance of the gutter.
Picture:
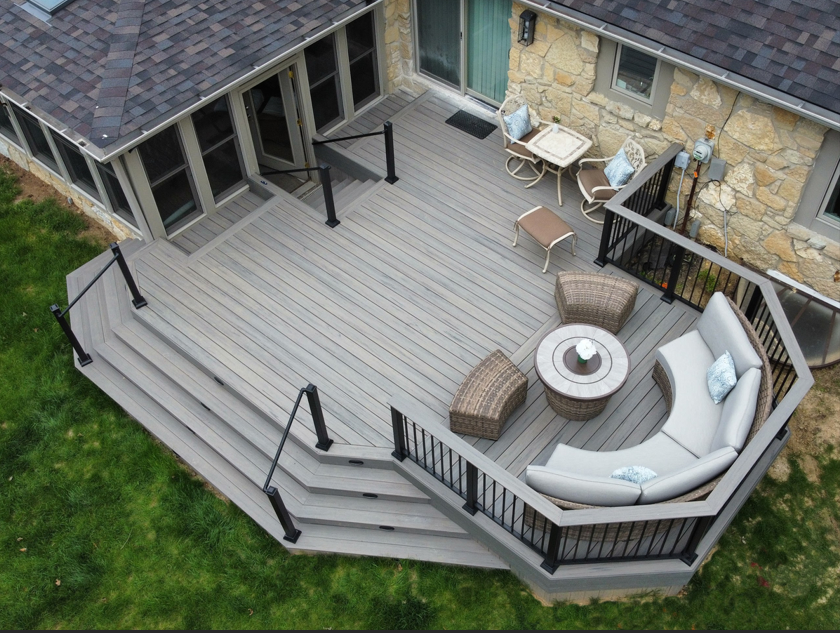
(683, 60)
(108, 154)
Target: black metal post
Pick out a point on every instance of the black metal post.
(664, 183)
(471, 505)
(689, 555)
(329, 200)
(390, 157)
(400, 450)
(136, 298)
(292, 534)
(606, 234)
(754, 304)
(324, 441)
(552, 556)
(678, 253)
(84, 357)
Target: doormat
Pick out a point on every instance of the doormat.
(471, 124)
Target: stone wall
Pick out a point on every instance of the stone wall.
(399, 48)
(94, 211)
(769, 152)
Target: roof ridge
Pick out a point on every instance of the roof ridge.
(116, 78)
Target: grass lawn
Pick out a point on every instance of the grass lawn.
(101, 527)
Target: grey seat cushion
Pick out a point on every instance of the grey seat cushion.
(682, 481)
(722, 331)
(738, 412)
(694, 415)
(580, 488)
(660, 453)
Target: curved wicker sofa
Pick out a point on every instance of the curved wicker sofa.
(699, 441)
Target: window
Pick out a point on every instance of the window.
(7, 128)
(364, 69)
(324, 82)
(832, 208)
(219, 147)
(819, 206)
(169, 175)
(635, 73)
(77, 166)
(116, 195)
(35, 138)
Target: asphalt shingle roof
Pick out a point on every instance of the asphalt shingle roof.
(790, 45)
(109, 68)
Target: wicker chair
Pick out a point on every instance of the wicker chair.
(487, 397)
(516, 148)
(596, 299)
(595, 186)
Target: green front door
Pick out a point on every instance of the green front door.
(488, 48)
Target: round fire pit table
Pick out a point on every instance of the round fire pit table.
(580, 391)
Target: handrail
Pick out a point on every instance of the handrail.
(390, 159)
(61, 315)
(326, 183)
(324, 443)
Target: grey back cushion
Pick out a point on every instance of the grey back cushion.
(738, 412)
(590, 490)
(689, 478)
(722, 331)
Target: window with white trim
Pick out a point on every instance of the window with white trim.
(635, 73)
(116, 196)
(831, 211)
(37, 141)
(7, 128)
(76, 165)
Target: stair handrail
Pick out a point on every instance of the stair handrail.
(324, 443)
(326, 182)
(61, 315)
(390, 156)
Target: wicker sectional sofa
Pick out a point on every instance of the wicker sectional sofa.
(699, 441)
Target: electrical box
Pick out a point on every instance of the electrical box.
(703, 150)
(682, 160)
(716, 169)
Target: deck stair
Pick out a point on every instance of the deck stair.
(347, 191)
(229, 438)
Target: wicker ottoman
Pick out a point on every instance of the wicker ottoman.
(595, 299)
(487, 397)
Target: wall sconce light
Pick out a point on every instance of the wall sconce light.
(527, 24)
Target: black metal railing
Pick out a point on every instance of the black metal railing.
(61, 315)
(390, 157)
(326, 183)
(559, 537)
(324, 442)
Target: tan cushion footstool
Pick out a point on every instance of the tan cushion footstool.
(487, 397)
(546, 228)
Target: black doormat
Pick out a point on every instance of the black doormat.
(471, 124)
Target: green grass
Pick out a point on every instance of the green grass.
(118, 535)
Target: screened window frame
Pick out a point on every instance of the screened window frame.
(62, 145)
(337, 77)
(18, 141)
(649, 101)
(23, 118)
(109, 199)
(220, 199)
(374, 51)
(832, 196)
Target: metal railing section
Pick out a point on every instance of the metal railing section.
(326, 183)
(60, 315)
(292, 534)
(390, 157)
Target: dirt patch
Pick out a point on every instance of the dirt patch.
(35, 189)
(814, 426)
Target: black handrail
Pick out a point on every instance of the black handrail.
(326, 182)
(324, 443)
(61, 315)
(390, 160)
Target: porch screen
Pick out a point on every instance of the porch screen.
(364, 71)
(6, 126)
(439, 35)
(35, 138)
(116, 196)
(170, 179)
(76, 166)
(324, 82)
(219, 147)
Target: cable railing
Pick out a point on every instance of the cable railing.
(390, 157)
(324, 442)
(60, 315)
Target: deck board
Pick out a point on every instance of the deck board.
(212, 226)
(418, 283)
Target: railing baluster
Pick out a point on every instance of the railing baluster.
(137, 299)
(689, 555)
(471, 505)
(390, 159)
(674, 279)
(606, 234)
(551, 561)
(329, 200)
(84, 358)
(400, 449)
(324, 441)
(292, 534)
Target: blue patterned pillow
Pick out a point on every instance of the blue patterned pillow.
(634, 474)
(518, 123)
(619, 171)
(721, 377)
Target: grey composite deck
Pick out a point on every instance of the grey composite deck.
(203, 232)
(417, 284)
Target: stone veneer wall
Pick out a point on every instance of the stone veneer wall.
(94, 211)
(769, 152)
(399, 48)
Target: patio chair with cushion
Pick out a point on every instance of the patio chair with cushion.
(596, 299)
(598, 186)
(519, 126)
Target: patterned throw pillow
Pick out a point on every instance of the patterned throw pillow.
(634, 474)
(519, 123)
(619, 171)
(721, 377)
